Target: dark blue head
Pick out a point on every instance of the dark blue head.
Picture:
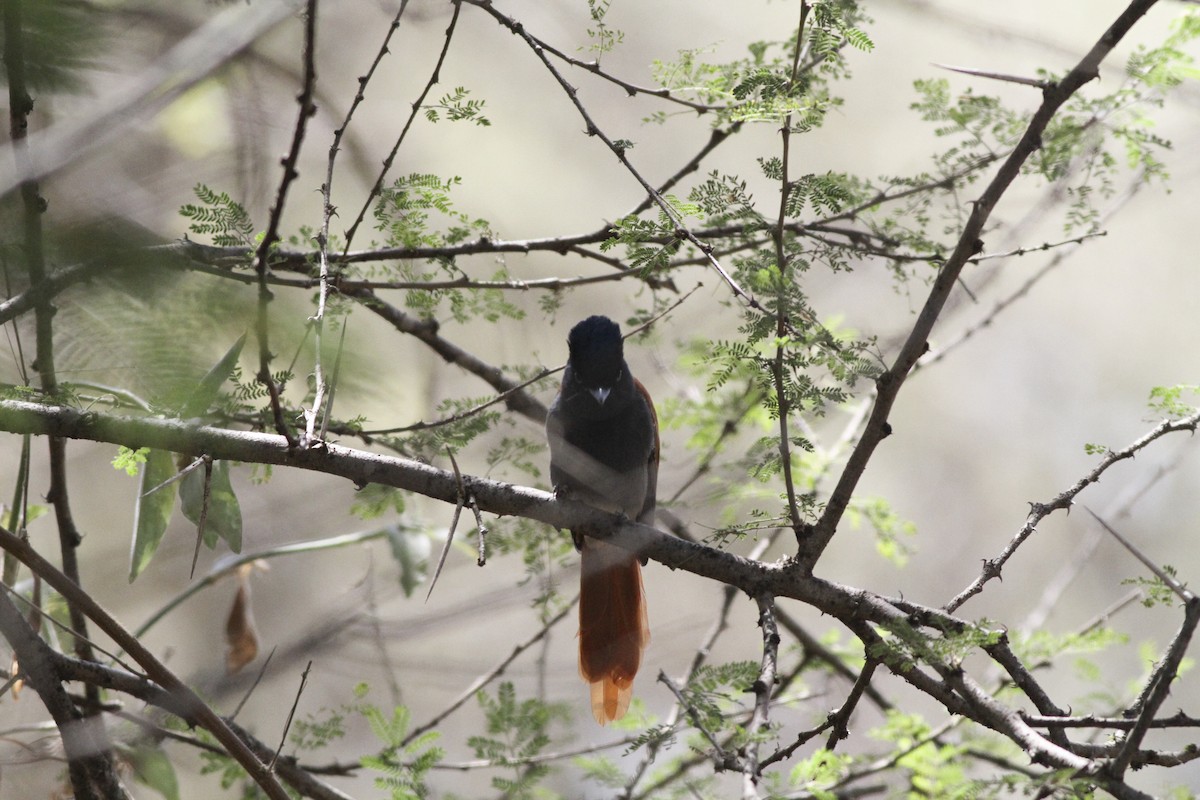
(597, 355)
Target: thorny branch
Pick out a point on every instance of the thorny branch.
(434, 77)
(186, 699)
(992, 567)
(859, 610)
(33, 205)
(855, 608)
(890, 382)
(682, 232)
(271, 235)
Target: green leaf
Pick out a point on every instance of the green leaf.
(1169, 400)
(820, 771)
(411, 552)
(152, 767)
(206, 391)
(374, 500)
(153, 510)
(220, 216)
(224, 520)
(130, 460)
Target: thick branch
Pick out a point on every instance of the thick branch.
(857, 609)
(88, 754)
(33, 206)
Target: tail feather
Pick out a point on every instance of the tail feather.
(613, 629)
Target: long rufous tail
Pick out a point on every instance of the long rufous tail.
(613, 629)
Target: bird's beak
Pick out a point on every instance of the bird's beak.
(600, 393)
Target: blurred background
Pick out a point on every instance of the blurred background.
(1000, 422)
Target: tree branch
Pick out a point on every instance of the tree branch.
(188, 701)
(434, 77)
(858, 609)
(1039, 511)
(890, 382)
(271, 236)
(89, 755)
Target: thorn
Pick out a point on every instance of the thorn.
(996, 76)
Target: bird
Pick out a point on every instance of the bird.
(604, 451)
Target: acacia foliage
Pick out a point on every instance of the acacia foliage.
(783, 410)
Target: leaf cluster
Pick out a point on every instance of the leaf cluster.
(458, 107)
(417, 212)
(403, 767)
(516, 730)
(764, 86)
(219, 216)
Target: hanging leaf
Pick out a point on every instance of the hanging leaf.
(411, 552)
(153, 511)
(152, 767)
(241, 637)
(205, 393)
(224, 520)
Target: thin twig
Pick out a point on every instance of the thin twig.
(228, 566)
(1084, 551)
(763, 689)
(1175, 586)
(1039, 511)
(782, 323)
(328, 210)
(292, 713)
(489, 676)
(722, 757)
(631, 89)
(196, 464)
(426, 331)
(481, 559)
(271, 235)
(467, 413)
(1070, 246)
(333, 382)
(1157, 688)
(417, 104)
(682, 232)
(36, 611)
(262, 671)
(841, 718)
(1179, 720)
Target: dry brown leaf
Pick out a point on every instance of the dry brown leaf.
(241, 637)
